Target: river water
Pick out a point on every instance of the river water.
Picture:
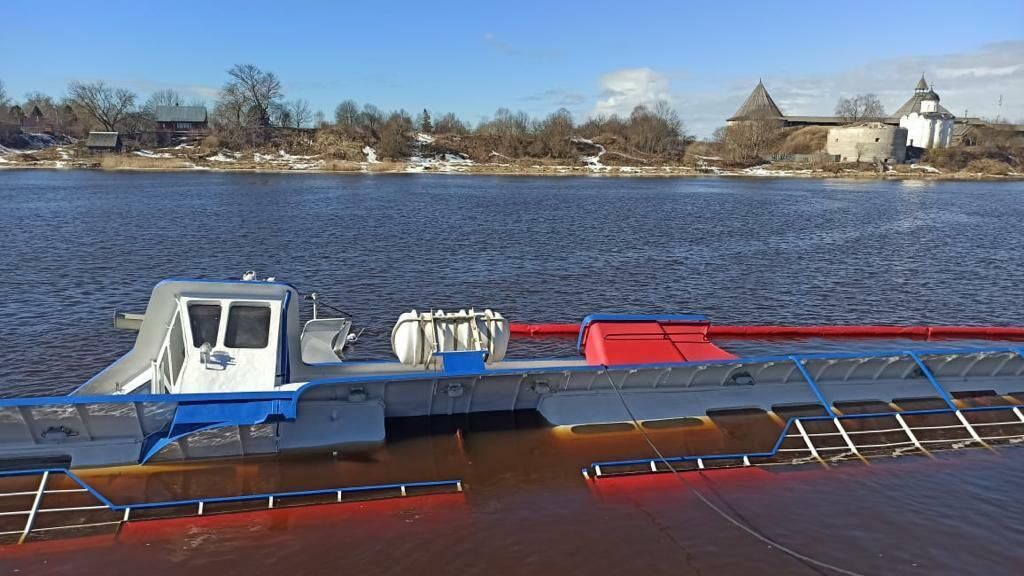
(77, 245)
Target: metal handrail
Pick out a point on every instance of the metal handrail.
(271, 498)
(795, 424)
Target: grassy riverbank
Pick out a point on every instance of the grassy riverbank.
(188, 158)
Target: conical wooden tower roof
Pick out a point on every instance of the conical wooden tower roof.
(758, 106)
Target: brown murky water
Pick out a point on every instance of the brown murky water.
(528, 510)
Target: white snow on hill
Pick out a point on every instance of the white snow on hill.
(592, 162)
(439, 163)
(150, 154)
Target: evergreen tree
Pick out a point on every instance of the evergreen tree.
(425, 124)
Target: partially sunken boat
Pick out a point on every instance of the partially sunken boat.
(225, 369)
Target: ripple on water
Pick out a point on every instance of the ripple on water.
(77, 245)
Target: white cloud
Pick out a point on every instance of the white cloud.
(205, 92)
(971, 81)
(623, 90)
(509, 49)
(978, 71)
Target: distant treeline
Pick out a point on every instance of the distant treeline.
(251, 106)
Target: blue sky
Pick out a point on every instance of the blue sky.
(591, 57)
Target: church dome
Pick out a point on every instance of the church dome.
(930, 95)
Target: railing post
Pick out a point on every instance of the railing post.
(35, 507)
(154, 383)
(807, 440)
(910, 433)
(846, 437)
(935, 383)
(814, 386)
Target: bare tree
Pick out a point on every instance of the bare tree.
(655, 131)
(105, 104)
(248, 103)
(259, 90)
(752, 139)
(553, 136)
(166, 97)
(394, 137)
(510, 129)
(860, 108)
(346, 117)
(603, 125)
(230, 108)
(370, 121)
(450, 124)
(319, 119)
(5, 100)
(299, 113)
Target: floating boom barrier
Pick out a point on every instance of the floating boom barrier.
(96, 511)
(1008, 333)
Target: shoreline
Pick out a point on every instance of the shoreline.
(556, 171)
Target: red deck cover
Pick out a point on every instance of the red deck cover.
(619, 342)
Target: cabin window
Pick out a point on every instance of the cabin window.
(204, 319)
(248, 327)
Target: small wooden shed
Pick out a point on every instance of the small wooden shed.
(103, 142)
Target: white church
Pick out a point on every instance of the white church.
(928, 124)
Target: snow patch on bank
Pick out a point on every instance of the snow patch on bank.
(281, 157)
(222, 156)
(592, 162)
(439, 163)
(150, 154)
(371, 155)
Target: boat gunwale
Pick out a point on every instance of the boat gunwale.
(295, 395)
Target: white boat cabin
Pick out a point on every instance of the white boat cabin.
(203, 336)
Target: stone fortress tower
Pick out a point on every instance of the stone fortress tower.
(868, 142)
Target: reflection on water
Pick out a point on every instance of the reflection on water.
(916, 184)
(528, 510)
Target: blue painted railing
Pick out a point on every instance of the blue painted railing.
(597, 468)
(235, 410)
(455, 485)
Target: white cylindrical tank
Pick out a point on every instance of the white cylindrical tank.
(407, 339)
(416, 337)
(498, 335)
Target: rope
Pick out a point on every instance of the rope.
(748, 529)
